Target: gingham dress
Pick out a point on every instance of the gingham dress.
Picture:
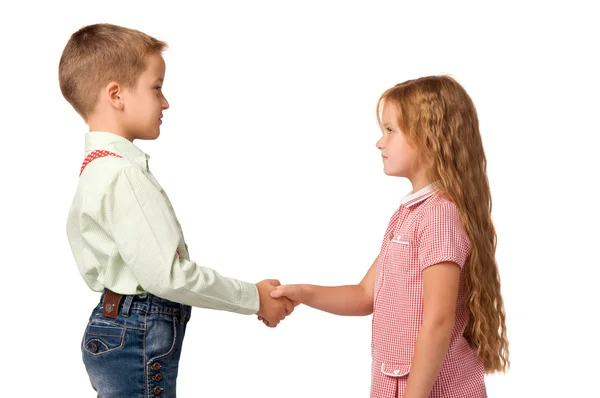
(424, 231)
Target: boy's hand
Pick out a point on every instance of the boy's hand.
(294, 293)
(272, 310)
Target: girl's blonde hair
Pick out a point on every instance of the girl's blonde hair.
(439, 119)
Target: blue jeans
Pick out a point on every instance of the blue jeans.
(136, 354)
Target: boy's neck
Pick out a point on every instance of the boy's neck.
(105, 118)
(109, 126)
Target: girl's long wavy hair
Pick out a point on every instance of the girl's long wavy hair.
(439, 119)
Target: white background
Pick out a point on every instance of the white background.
(268, 155)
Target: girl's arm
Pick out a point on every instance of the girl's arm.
(440, 291)
(339, 300)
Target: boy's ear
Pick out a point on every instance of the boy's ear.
(114, 94)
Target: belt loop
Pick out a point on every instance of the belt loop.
(183, 313)
(127, 304)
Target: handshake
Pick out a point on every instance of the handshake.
(276, 303)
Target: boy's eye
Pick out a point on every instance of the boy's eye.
(389, 130)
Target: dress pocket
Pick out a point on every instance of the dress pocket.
(103, 337)
(402, 253)
(394, 369)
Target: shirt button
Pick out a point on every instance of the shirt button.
(396, 371)
(155, 366)
(157, 377)
(157, 390)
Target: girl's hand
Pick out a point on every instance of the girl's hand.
(294, 293)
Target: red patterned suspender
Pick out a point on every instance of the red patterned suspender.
(96, 155)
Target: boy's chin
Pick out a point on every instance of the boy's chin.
(149, 136)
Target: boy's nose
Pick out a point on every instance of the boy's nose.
(165, 104)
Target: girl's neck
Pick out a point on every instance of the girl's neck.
(419, 181)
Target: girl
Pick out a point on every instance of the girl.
(434, 289)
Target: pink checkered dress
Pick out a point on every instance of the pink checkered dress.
(424, 231)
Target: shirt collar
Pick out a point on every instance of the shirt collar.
(115, 143)
(416, 197)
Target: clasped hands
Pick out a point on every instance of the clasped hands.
(275, 303)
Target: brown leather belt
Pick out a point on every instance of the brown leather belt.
(110, 304)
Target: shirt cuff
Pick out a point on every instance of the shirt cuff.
(249, 301)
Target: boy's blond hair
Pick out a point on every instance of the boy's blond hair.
(97, 54)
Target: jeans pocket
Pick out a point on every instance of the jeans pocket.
(161, 336)
(103, 337)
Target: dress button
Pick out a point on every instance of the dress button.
(157, 377)
(396, 371)
(155, 366)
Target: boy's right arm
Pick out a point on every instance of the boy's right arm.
(147, 235)
(339, 300)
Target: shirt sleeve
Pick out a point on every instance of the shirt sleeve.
(147, 234)
(442, 237)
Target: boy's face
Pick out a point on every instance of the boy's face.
(399, 157)
(144, 104)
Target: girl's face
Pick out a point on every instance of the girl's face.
(400, 159)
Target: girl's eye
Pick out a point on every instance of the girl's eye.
(389, 130)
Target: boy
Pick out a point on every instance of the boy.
(125, 237)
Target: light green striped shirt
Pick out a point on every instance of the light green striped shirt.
(125, 236)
